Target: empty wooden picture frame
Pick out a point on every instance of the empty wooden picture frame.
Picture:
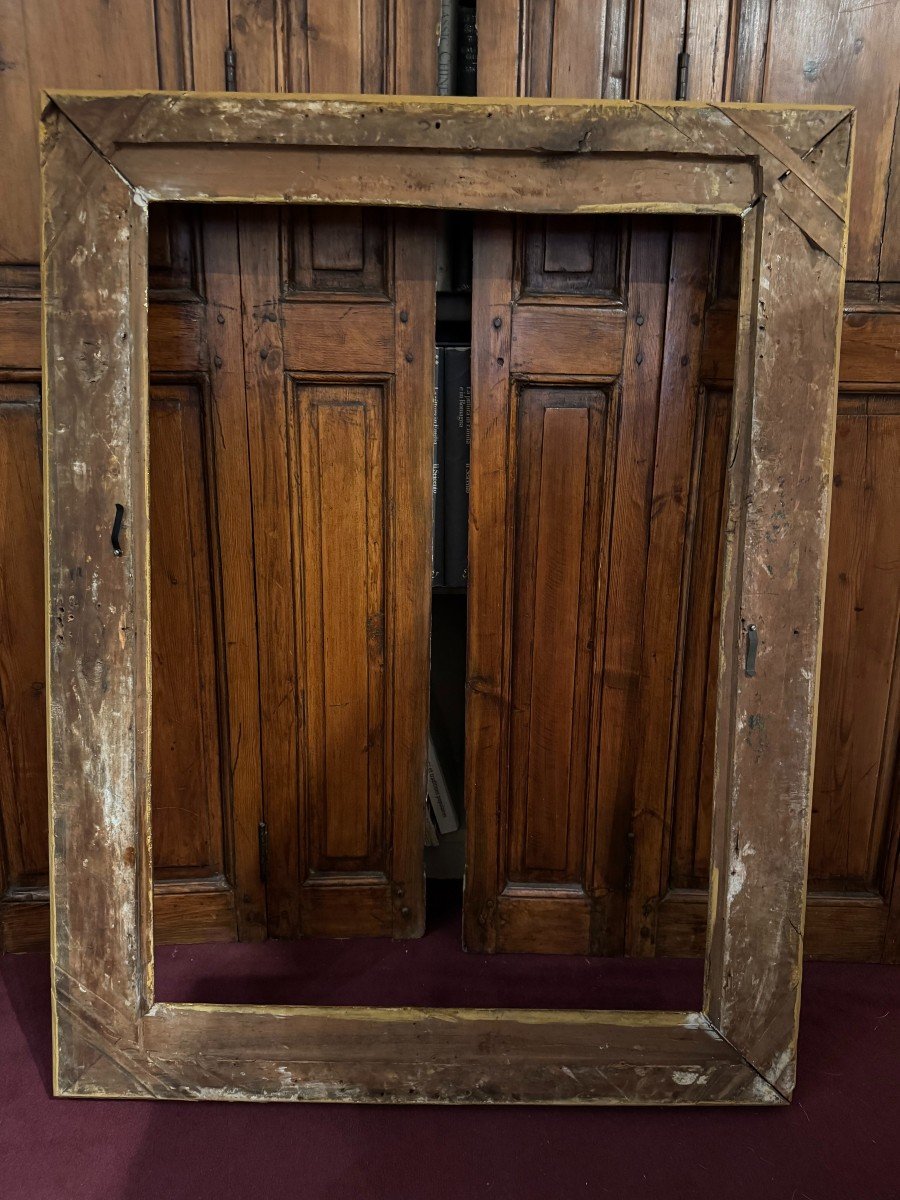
(784, 172)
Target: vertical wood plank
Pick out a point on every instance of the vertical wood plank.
(620, 737)
(95, 431)
(774, 579)
(408, 621)
(224, 344)
(666, 582)
(488, 551)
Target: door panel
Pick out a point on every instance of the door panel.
(205, 784)
(340, 519)
(186, 783)
(23, 744)
(561, 501)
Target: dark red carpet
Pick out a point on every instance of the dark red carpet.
(840, 1140)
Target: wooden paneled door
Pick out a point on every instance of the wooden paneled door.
(820, 51)
(205, 756)
(585, 360)
(349, 403)
(339, 340)
(339, 349)
(205, 763)
(610, 852)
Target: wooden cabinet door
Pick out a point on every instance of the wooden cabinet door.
(338, 336)
(817, 52)
(586, 344)
(658, 687)
(584, 386)
(205, 758)
(339, 345)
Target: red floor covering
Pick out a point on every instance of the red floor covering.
(839, 1139)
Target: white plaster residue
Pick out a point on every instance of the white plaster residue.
(736, 879)
(696, 1020)
(688, 1078)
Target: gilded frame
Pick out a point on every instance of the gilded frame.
(785, 172)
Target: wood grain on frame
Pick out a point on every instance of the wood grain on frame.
(110, 1039)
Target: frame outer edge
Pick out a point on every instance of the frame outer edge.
(111, 1017)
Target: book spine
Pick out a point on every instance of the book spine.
(437, 471)
(442, 806)
(467, 72)
(431, 832)
(457, 400)
(448, 48)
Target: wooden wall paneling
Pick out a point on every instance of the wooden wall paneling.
(824, 51)
(199, 601)
(331, 600)
(562, 265)
(519, 895)
(855, 809)
(569, 270)
(331, 401)
(174, 44)
(196, 578)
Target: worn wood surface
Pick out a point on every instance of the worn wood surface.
(749, 50)
(776, 537)
(410, 1055)
(95, 430)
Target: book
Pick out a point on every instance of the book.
(448, 48)
(437, 471)
(467, 53)
(431, 833)
(457, 406)
(438, 794)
